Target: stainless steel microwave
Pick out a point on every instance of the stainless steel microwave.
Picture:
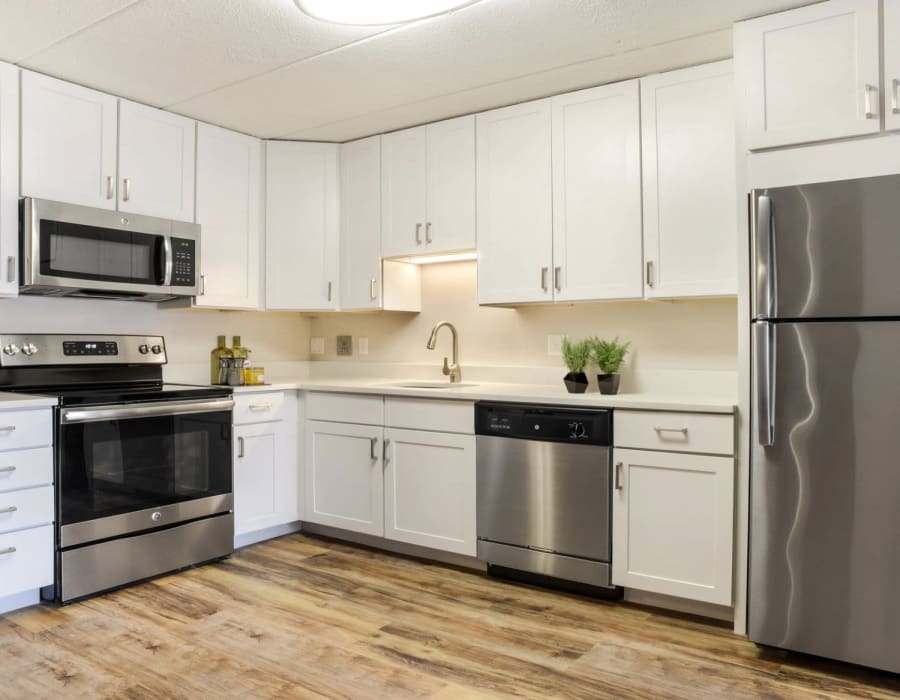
(70, 250)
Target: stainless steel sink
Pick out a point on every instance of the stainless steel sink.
(429, 385)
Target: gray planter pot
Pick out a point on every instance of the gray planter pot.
(608, 383)
(576, 382)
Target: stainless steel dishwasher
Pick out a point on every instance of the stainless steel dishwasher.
(544, 492)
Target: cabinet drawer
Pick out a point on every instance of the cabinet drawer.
(675, 432)
(26, 508)
(345, 408)
(26, 560)
(430, 414)
(20, 429)
(258, 408)
(22, 469)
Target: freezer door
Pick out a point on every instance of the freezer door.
(827, 250)
(825, 494)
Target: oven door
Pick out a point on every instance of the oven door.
(128, 468)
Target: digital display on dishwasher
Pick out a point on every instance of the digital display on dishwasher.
(82, 347)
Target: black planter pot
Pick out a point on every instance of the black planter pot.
(576, 382)
(608, 383)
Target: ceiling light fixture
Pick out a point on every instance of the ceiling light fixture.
(374, 12)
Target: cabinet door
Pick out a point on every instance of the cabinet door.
(68, 142)
(890, 29)
(514, 204)
(812, 73)
(344, 478)
(403, 192)
(673, 517)
(9, 179)
(302, 220)
(257, 501)
(156, 162)
(690, 222)
(361, 224)
(451, 186)
(429, 489)
(597, 194)
(229, 190)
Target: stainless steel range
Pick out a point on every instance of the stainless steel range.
(143, 469)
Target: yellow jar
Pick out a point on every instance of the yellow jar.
(254, 375)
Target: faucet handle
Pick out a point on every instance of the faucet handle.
(446, 369)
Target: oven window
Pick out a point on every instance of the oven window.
(114, 467)
(91, 253)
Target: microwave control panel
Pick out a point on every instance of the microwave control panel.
(184, 257)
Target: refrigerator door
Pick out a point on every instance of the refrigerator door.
(827, 250)
(825, 494)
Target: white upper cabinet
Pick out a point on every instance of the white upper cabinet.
(229, 211)
(156, 162)
(690, 222)
(302, 226)
(68, 142)
(514, 204)
(428, 189)
(812, 73)
(890, 33)
(597, 194)
(9, 179)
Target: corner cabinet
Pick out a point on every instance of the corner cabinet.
(302, 226)
(812, 73)
(689, 166)
(673, 504)
(9, 180)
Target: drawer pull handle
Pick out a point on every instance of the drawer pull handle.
(8, 509)
(7, 470)
(260, 406)
(7, 428)
(618, 476)
(660, 429)
(373, 442)
(8, 550)
(240, 447)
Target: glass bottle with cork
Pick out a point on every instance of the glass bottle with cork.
(241, 357)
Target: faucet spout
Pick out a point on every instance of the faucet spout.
(451, 369)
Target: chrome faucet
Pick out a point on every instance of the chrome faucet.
(452, 369)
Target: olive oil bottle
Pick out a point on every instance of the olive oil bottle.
(241, 356)
(215, 361)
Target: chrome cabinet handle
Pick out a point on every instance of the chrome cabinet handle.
(8, 550)
(373, 443)
(260, 406)
(372, 294)
(240, 447)
(110, 193)
(418, 234)
(895, 96)
(544, 271)
(8, 509)
(7, 428)
(329, 291)
(7, 470)
(867, 99)
(11, 268)
(661, 429)
(618, 479)
(650, 274)
(557, 279)
(126, 189)
(428, 238)
(202, 285)
(384, 450)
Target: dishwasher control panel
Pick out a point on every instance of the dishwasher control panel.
(544, 422)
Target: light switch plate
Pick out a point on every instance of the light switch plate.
(554, 345)
(317, 346)
(345, 345)
(362, 345)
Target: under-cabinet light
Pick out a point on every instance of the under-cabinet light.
(445, 258)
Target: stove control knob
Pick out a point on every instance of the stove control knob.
(29, 349)
(576, 430)
(144, 349)
(157, 349)
(11, 349)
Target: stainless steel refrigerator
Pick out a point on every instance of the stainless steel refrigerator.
(825, 443)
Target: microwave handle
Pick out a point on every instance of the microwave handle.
(165, 261)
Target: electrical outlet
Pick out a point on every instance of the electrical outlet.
(317, 346)
(362, 345)
(345, 345)
(554, 345)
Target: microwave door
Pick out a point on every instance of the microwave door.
(827, 250)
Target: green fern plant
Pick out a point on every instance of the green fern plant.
(576, 355)
(608, 355)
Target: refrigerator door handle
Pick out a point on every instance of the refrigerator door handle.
(764, 229)
(765, 382)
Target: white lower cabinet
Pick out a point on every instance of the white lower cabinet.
(429, 489)
(673, 517)
(266, 468)
(344, 477)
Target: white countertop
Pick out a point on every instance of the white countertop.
(11, 401)
(497, 391)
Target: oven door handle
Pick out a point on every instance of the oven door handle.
(94, 414)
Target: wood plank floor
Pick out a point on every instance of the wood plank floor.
(300, 617)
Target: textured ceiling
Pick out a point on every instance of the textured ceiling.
(263, 67)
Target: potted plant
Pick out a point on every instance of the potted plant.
(608, 355)
(576, 356)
